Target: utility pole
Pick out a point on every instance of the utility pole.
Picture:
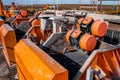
(57, 4)
(117, 6)
(80, 4)
(54, 7)
(101, 5)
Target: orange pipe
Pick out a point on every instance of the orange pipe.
(1, 7)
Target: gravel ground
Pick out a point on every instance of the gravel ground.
(6, 73)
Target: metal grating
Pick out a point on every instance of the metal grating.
(24, 26)
(72, 61)
(11, 19)
(112, 37)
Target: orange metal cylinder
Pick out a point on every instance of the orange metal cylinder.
(87, 42)
(24, 13)
(18, 16)
(99, 28)
(87, 20)
(35, 22)
(68, 35)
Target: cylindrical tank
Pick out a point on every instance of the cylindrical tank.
(99, 28)
(87, 42)
(79, 40)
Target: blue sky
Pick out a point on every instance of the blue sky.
(52, 1)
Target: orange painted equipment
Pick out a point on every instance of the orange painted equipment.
(34, 64)
(20, 75)
(18, 16)
(35, 22)
(1, 7)
(18, 19)
(46, 34)
(37, 34)
(79, 22)
(24, 13)
(13, 6)
(31, 19)
(106, 60)
(47, 7)
(99, 28)
(76, 33)
(87, 20)
(37, 13)
(8, 40)
(68, 34)
(1, 22)
(87, 42)
(7, 14)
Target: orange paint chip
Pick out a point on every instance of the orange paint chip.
(99, 28)
(87, 42)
